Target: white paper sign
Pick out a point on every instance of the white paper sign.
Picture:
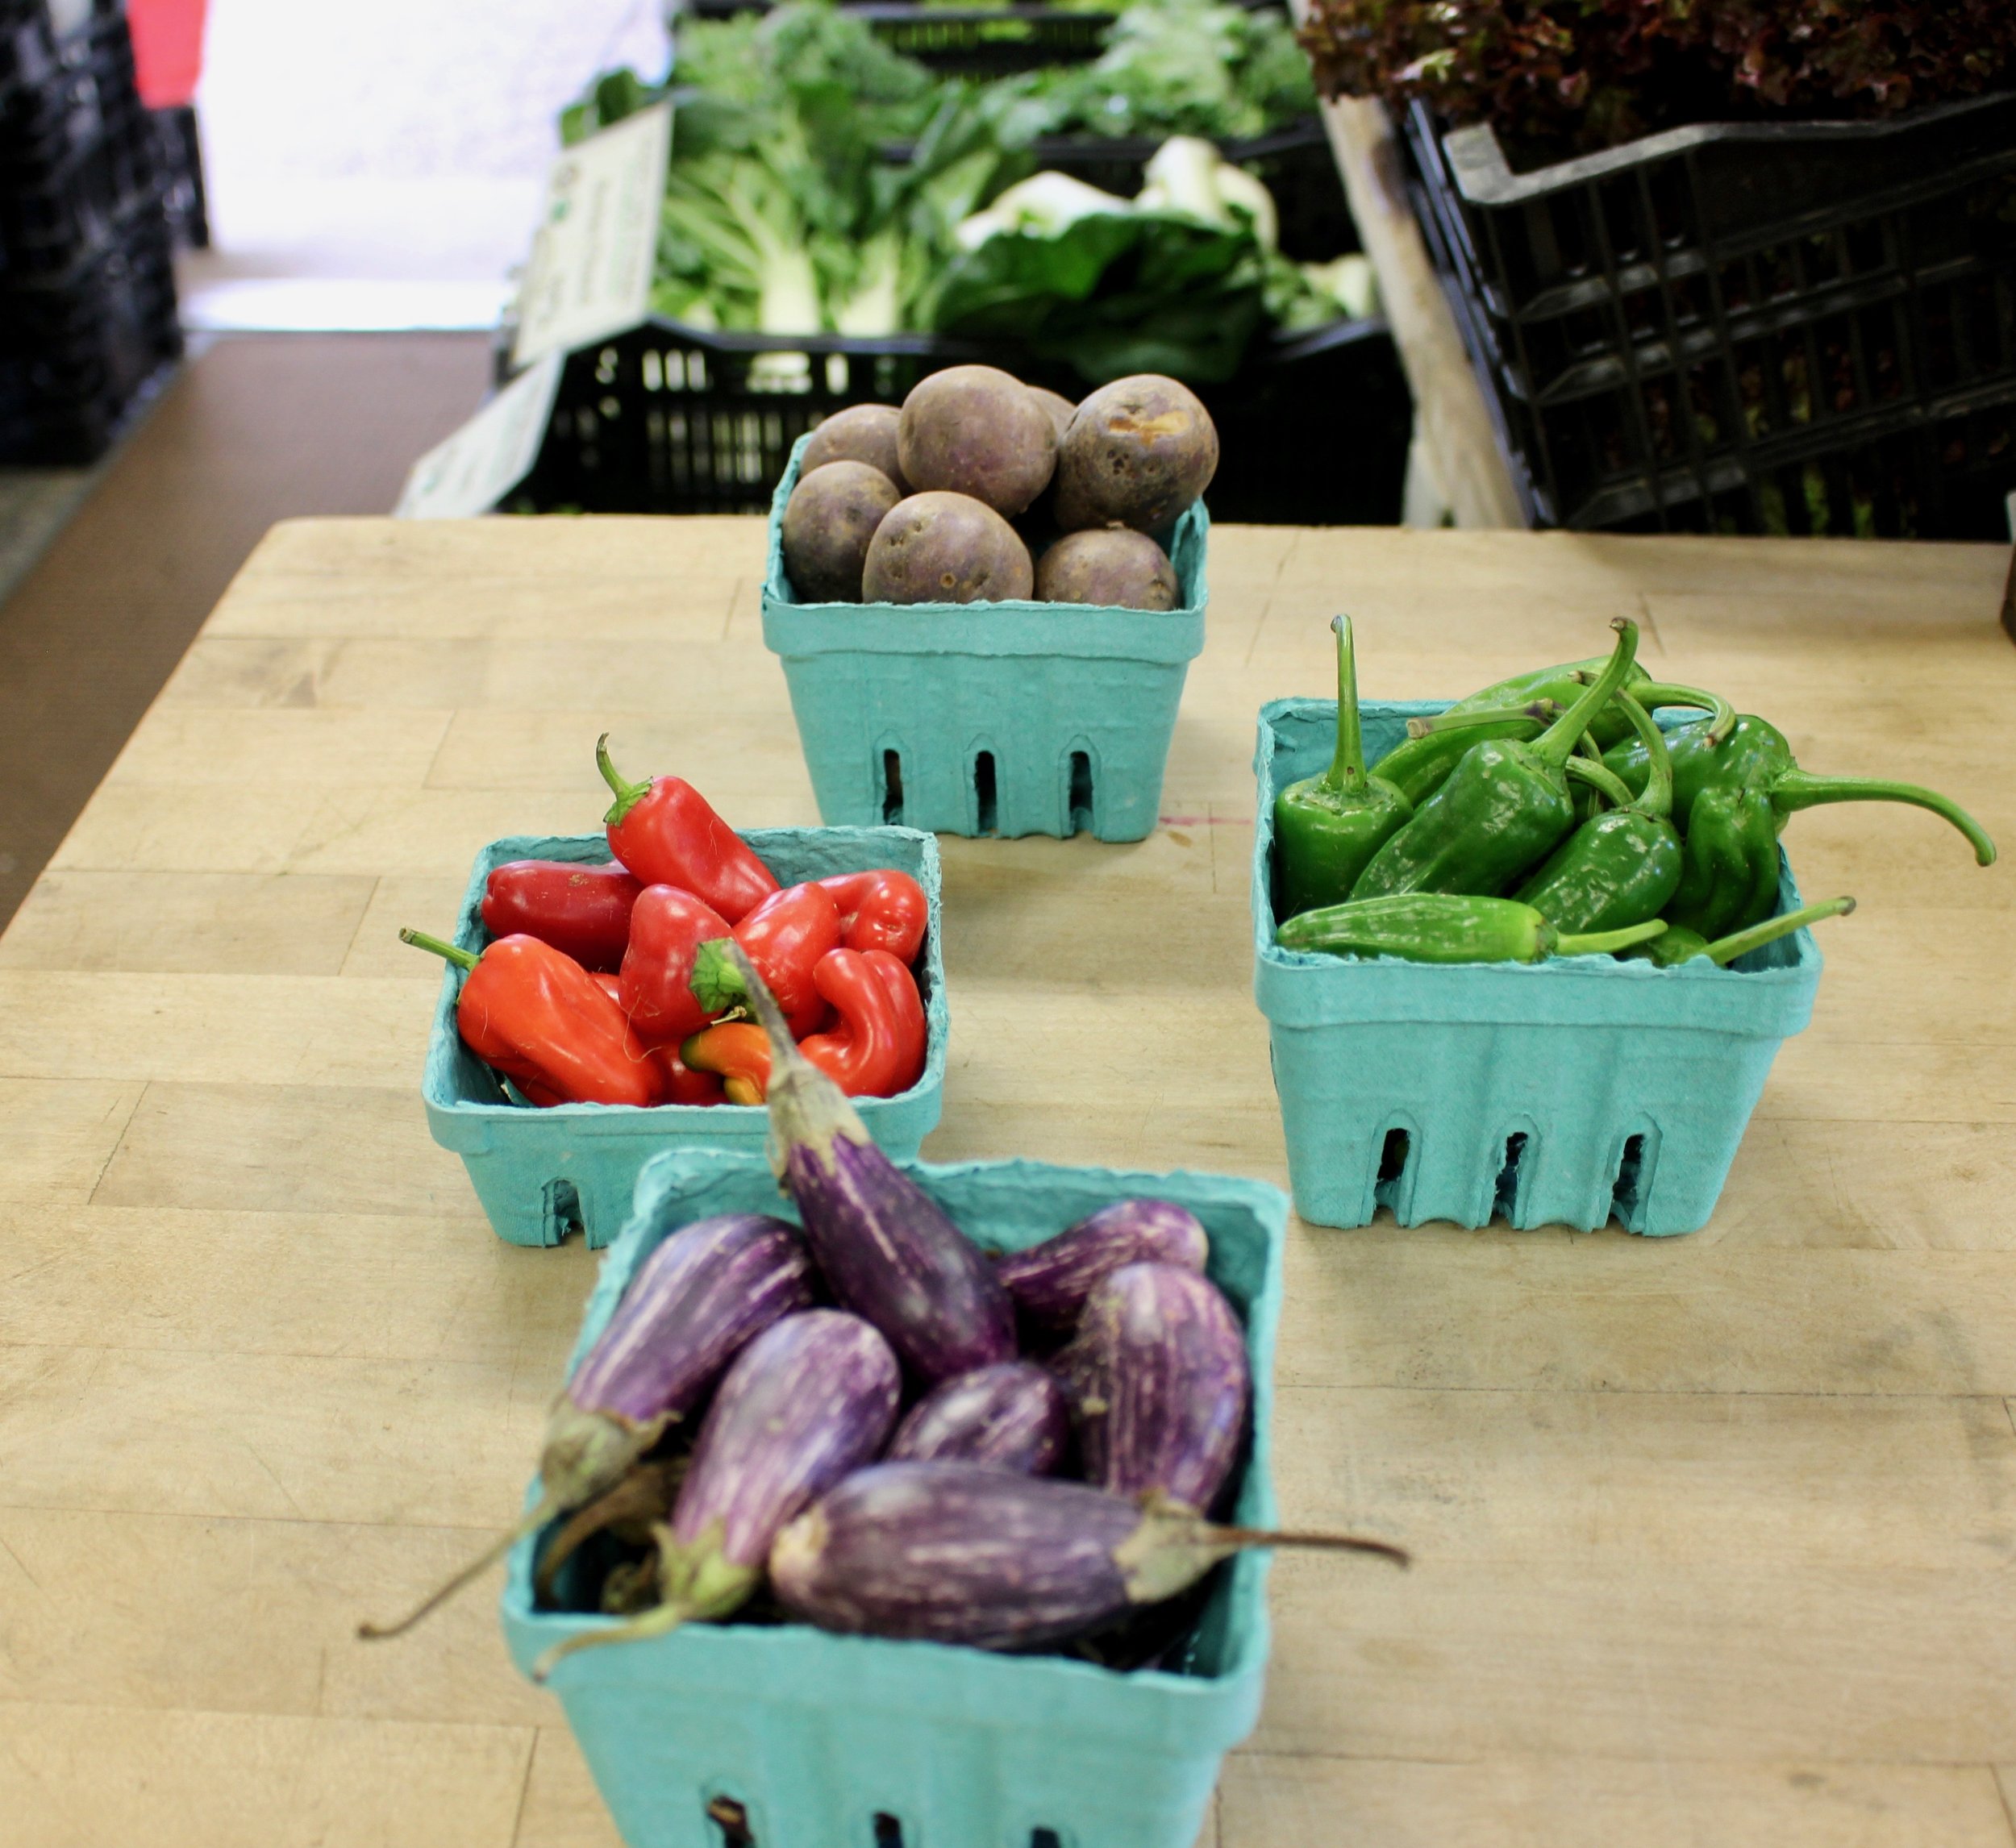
(590, 273)
(490, 454)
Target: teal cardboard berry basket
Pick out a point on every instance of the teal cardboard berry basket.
(987, 718)
(825, 1741)
(540, 1173)
(1564, 1093)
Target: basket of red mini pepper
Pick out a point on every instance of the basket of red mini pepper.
(591, 1015)
(1535, 961)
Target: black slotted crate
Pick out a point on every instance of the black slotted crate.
(87, 289)
(669, 419)
(1804, 327)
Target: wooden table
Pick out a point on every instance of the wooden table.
(1715, 1535)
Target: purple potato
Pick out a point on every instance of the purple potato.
(1115, 567)
(1138, 453)
(829, 522)
(1050, 1281)
(979, 432)
(694, 1302)
(1011, 1415)
(861, 433)
(946, 548)
(1158, 1379)
(1059, 407)
(967, 1553)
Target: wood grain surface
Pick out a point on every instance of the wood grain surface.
(1716, 1536)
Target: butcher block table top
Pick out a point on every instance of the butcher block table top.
(1715, 1537)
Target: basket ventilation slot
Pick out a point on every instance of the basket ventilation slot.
(1393, 1155)
(1505, 1195)
(892, 788)
(731, 1822)
(563, 1210)
(985, 808)
(1630, 1180)
(1045, 1839)
(888, 1832)
(1080, 797)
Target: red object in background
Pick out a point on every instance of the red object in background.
(667, 928)
(879, 910)
(583, 910)
(168, 50)
(785, 937)
(877, 1050)
(664, 831)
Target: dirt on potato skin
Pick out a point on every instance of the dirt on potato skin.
(830, 519)
(1138, 451)
(942, 548)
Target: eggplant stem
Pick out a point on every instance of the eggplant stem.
(660, 1621)
(482, 1563)
(1326, 1542)
(644, 1494)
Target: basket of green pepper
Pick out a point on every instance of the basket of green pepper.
(1536, 960)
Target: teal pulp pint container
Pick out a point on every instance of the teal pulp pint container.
(987, 718)
(540, 1172)
(841, 1741)
(1564, 1093)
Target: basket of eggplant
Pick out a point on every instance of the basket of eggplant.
(911, 1503)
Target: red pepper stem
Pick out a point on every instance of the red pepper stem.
(1726, 950)
(1605, 943)
(1554, 745)
(1348, 767)
(420, 940)
(1794, 789)
(628, 795)
(1657, 799)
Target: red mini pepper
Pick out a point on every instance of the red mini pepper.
(879, 910)
(683, 1084)
(878, 1048)
(667, 928)
(785, 937)
(545, 1022)
(664, 830)
(739, 1051)
(579, 910)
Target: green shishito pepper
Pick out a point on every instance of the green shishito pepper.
(1448, 927)
(1417, 766)
(1620, 867)
(1504, 808)
(1730, 879)
(1563, 683)
(1756, 754)
(1677, 944)
(1327, 827)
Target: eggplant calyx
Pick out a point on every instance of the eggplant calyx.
(587, 1452)
(1172, 1549)
(807, 1109)
(700, 1577)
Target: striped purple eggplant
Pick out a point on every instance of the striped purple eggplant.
(1158, 1380)
(885, 1247)
(1050, 1281)
(1011, 1415)
(693, 1303)
(959, 1552)
(810, 1399)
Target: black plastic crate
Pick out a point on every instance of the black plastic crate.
(1312, 431)
(1791, 327)
(976, 41)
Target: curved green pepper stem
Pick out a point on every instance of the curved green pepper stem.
(1605, 781)
(1601, 942)
(1455, 719)
(1554, 745)
(1794, 789)
(1657, 798)
(1348, 767)
(1726, 950)
(628, 795)
(420, 940)
(1652, 694)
